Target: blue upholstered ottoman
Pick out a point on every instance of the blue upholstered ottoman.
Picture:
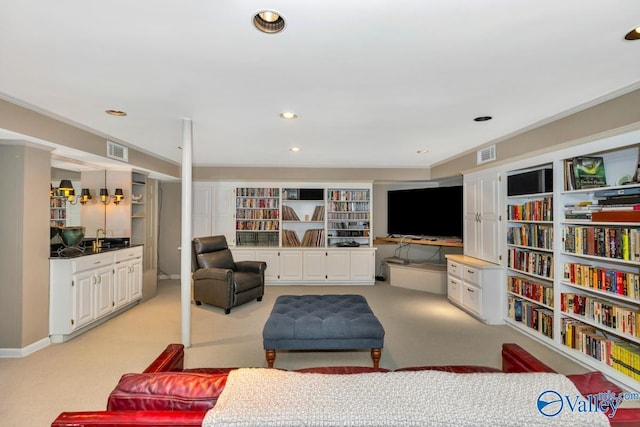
(322, 322)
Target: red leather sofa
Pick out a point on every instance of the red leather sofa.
(167, 394)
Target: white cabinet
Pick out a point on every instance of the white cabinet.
(363, 265)
(87, 289)
(481, 205)
(128, 277)
(476, 286)
(313, 266)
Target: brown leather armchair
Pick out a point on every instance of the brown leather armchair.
(218, 280)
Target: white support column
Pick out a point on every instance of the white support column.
(185, 253)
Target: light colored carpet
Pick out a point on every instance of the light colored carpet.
(421, 329)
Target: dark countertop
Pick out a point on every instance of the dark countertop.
(58, 251)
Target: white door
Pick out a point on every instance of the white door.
(121, 284)
(314, 265)
(290, 265)
(338, 265)
(103, 291)
(489, 232)
(135, 279)
(202, 214)
(363, 265)
(83, 312)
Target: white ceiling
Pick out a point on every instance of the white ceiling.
(372, 81)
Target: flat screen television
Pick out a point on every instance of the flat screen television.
(428, 212)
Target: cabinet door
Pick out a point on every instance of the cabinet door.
(290, 265)
(482, 216)
(272, 258)
(103, 291)
(202, 215)
(490, 230)
(83, 311)
(362, 265)
(135, 279)
(338, 265)
(314, 265)
(121, 284)
(472, 298)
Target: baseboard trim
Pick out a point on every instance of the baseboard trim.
(6, 353)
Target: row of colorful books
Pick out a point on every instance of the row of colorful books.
(532, 290)
(603, 312)
(530, 262)
(534, 235)
(604, 279)
(531, 315)
(621, 355)
(534, 210)
(256, 225)
(257, 203)
(257, 214)
(608, 242)
(348, 194)
(257, 192)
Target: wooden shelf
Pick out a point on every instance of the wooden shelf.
(439, 242)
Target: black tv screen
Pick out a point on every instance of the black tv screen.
(428, 212)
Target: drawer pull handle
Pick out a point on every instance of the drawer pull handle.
(97, 262)
(470, 290)
(471, 272)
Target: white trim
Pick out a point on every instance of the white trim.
(22, 352)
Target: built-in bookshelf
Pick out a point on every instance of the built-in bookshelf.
(257, 216)
(348, 216)
(57, 211)
(138, 212)
(312, 217)
(599, 288)
(303, 217)
(530, 261)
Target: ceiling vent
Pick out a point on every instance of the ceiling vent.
(117, 151)
(487, 155)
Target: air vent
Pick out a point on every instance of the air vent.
(487, 155)
(117, 151)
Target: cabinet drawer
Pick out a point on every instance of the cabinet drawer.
(472, 275)
(128, 254)
(454, 268)
(454, 289)
(472, 299)
(91, 261)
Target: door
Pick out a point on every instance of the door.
(135, 279)
(272, 258)
(121, 284)
(314, 265)
(103, 291)
(363, 265)
(290, 265)
(83, 312)
(338, 266)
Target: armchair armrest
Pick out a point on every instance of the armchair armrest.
(129, 418)
(251, 266)
(171, 359)
(213, 274)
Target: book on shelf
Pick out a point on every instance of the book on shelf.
(588, 172)
(290, 238)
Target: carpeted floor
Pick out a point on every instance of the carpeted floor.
(421, 329)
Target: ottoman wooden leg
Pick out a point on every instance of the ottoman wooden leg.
(375, 355)
(271, 357)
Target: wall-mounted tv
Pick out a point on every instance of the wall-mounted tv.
(428, 212)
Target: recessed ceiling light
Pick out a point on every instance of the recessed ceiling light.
(633, 34)
(268, 21)
(294, 149)
(288, 115)
(422, 151)
(483, 118)
(118, 113)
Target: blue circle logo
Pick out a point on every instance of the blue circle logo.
(550, 403)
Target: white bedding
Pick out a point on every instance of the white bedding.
(268, 397)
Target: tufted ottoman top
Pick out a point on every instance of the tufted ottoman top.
(322, 322)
